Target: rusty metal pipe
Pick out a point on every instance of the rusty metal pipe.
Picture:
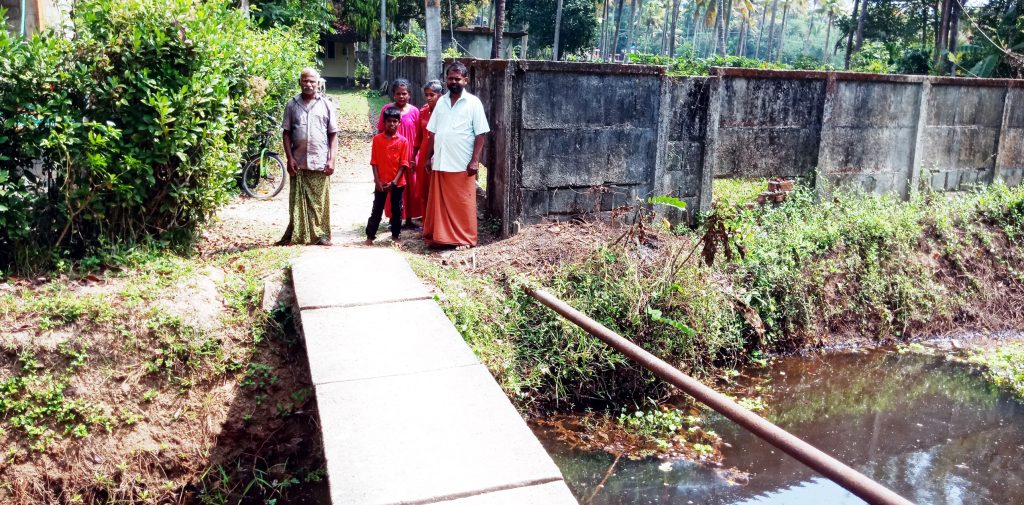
(852, 480)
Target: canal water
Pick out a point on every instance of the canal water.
(931, 430)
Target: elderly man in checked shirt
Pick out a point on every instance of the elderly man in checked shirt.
(310, 142)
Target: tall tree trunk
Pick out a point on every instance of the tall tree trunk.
(526, 40)
(618, 25)
(849, 37)
(828, 33)
(810, 28)
(782, 32)
(383, 42)
(672, 32)
(244, 7)
(499, 28)
(954, 27)
(664, 27)
(741, 45)
(771, 31)
(432, 9)
(760, 31)
(942, 32)
(924, 25)
(635, 8)
(725, 23)
(558, 30)
(604, 28)
(860, 24)
(717, 30)
(698, 37)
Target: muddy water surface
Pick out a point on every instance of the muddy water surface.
(929, 429)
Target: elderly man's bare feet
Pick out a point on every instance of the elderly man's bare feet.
(397, 242)
(368, 241)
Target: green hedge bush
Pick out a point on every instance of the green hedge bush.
(133, 127)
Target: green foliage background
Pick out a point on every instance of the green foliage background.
(133, 128)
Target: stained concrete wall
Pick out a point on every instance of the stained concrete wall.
(768, 125)
(1010, 159)
(680, 169)
(869, 134)
(960, 135)
(576, 138)
(589, 140)
(884, 134)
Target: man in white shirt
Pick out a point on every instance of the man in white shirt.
(457, 127)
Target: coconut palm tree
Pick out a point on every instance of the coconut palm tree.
(771, 31)
(760, 30)
(786, 6)
(810, 24)
(831, 9)
(745, 10)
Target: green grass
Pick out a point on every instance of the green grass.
(1004, 366)
(356, 107)
(733, 192)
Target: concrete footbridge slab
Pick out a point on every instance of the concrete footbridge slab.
(408, 414)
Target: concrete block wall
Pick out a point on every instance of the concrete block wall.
(768, 124)
(869, 134)
(1010, 159)
(579, 138)
(589, 140)
(680, 168)
(960, 135)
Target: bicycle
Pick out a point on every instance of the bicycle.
(264, 173)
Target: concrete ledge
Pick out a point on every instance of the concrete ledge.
(425, 437)
(552, 493)
(334, 277)
(380, 340)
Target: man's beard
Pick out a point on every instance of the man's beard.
(455, 89)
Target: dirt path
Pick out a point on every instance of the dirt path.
(250, 223)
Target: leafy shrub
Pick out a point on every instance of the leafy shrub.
(914, 60)
(873, 57)
(311, 17)
(807, 62)
(691, 65)
(855, 248)
(537, 356)
(132, 129)
(362, 71)
(408, 45)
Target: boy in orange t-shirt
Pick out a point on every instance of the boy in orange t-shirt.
(389, 159)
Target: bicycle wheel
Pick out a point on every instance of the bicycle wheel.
(264, 177)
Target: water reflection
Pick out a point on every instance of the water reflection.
(931, 430)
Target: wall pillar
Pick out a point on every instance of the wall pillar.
(661, 185)
(1002, 150)
(705, 196)
(917, 160)
(821, 183)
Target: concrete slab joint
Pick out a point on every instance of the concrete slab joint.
(400, 393)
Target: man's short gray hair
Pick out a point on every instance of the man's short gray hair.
(310, 71)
